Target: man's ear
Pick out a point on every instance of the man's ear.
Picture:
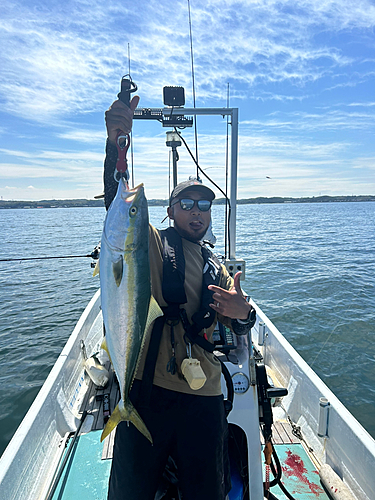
(170, 212)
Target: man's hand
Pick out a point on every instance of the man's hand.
(230, 303)
(119, 118)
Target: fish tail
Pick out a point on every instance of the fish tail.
(127, 413)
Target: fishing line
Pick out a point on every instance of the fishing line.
(209, 178)
(333, 331)
(227, 203)
(199, 168)
(169, 174)
(193, 79)
(131, 132)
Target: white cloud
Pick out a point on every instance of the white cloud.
(63, 61)
(302, 120)
(84, 136)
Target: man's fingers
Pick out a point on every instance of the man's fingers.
(134, 102)
(119, 118)
(216, 289)
(236, 281)
(117, 104)
(116, 122)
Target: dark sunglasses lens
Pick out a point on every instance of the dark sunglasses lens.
(204, 205)
(186, 204)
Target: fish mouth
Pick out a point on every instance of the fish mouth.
(133, 194)
(141, 185)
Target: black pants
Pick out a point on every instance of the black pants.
(191, 429)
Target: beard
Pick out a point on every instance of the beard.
(193, 236)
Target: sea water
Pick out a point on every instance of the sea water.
(310, 267)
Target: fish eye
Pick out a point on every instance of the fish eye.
(133, 211)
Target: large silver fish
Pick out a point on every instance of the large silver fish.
(127, 304)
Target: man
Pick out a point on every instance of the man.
(183, 410)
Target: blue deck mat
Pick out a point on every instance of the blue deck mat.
(86, 475)
(299, 475)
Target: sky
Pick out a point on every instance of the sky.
(302, 75)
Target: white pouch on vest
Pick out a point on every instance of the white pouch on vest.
(193, 373)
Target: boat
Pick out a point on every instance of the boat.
(280, 408)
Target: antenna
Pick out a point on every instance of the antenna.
(193, 78)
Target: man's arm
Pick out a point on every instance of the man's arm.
(110, 184)
(118, 118)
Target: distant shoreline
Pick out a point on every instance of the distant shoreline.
(153, 203)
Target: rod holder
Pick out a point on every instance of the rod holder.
(261, 332)
(324, 405)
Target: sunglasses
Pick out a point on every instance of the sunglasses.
(188, 204)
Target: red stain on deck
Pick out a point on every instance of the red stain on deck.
(294, 467)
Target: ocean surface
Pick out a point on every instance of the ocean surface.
(310, 267)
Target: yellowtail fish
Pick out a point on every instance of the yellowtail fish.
(128, 307)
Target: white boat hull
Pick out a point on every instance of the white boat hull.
(29, 463)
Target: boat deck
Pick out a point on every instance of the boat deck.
(87, 470)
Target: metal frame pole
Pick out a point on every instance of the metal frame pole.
(233, 183)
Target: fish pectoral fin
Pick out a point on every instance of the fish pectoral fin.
(118, 269)
(123, 413)
(97, 269)
(154, 311)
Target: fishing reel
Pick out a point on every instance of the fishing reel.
(266, 393)
(95, 255)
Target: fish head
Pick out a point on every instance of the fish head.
(137, 233)
(126, 225)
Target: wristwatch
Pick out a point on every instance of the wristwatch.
(242, 326)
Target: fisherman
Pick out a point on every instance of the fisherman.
(186, 423)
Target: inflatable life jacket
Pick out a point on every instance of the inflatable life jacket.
(175, 296)
(174, 291)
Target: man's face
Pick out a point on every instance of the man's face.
(190, 224)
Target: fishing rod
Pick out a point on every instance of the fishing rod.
(60, 472)
(94, 255)
(193, 80)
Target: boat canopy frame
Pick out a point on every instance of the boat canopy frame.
(165, 115)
